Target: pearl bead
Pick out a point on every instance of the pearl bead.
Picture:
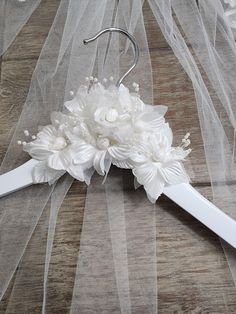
(59, 143)
(111, 115)
(26, 132)
(103, 143)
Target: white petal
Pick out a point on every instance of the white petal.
(83, 153)
(37, 151)
(124, 97)
(124, 164)
(88, 175)
(55, 161)
(41, 173)
(99, 161)
(77, 104)
(136, 183)
(149, 120)
(174, 173)
(148, 176)
(107, 168)
(46, 134)
(138, 157)
(77, 172)
(119, 152)
(167, 132)
(158, 108)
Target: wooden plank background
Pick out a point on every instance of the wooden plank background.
(193, 274)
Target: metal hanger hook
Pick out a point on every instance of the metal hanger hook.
(131, 38)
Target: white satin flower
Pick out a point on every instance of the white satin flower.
(232, 3)
(157, 164)
(100, 156)
(104, 126)
(54, 151)
(114, 113)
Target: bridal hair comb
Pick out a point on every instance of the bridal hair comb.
(105, 124)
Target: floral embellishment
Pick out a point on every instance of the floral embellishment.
(103, 126)
(231, 3)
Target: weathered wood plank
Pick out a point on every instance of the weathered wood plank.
(29, 42)
(14, 86)
(193, 275)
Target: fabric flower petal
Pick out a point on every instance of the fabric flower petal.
(38, 152)
(99, 162)
(88, 175)
(124, 97)
(174, 173)
(124, 164)
(76, 171)
(138, 157)
(149, 121)
(119, 152)
(55, 161)
(75, 105)
(42, 173)
(148, 176)
(83, 153)
(46, 134)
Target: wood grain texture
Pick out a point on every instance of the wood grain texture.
(193, 274)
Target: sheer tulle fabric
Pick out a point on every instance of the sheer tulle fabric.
(208, 56)
(63, 65)
(13, 16)
(112, 243)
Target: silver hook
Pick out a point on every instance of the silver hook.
(132, 39)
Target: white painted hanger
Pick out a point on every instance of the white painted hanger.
(182, 194)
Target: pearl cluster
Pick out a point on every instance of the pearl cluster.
(119, 128)
(27, 134)
(186, 141)
(93, 80)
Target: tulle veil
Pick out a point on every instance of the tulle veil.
(115, 270)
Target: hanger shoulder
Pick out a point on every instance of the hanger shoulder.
(182, 194)
(199, 207)
(17, 178)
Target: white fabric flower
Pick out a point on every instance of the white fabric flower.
(54, 151)
(104, 126)
(232, 3)
(156, 163)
